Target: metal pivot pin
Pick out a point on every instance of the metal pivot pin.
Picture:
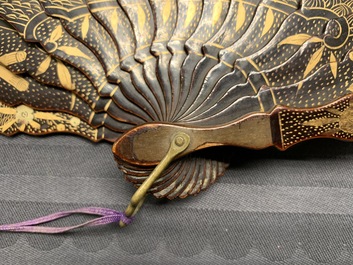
(179, 143)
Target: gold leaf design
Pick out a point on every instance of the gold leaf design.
(241, 15)
(75, 122)
(22, 128)
(64, 76)
(8, 111)
(56, 34)
(7, 125)
(167, 9)
(217, 12)
(85, 27)
(47, 116)
(141, 17)
(350, 88)
(13, 57)
(320, 122)
(270, 18)
(315, 40)
(298, 39)
(73, 101)
(314, 60)
(16, 81)
(60, 127)
(74, 51)
(43, 67)
(35, 125)
(333, 65)
(300, 85)
(190, 13)
(115, 20)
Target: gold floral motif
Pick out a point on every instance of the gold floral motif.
(75, 122)
(23, 116)
(27, 120)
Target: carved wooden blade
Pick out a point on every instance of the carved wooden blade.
(183, 178)
(265, 24)
(282, 47)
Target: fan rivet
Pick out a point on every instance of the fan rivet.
(179, 140)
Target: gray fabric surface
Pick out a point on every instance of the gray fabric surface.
(269, 208)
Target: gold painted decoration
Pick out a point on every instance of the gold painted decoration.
(13, 58)
(314, 60)
(241, 16)
(85, 27)
(44, 66)
(166, 78)
(27, 120)
(333, 64)
(15, 81)
(56, 34)
(115, 20)
(141, 16)
(167, 10)
(269, 20)
(217, 12)
(190, 13)
(298, 39)
(64, 76)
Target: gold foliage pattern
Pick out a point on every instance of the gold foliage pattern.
(43, 67)
(85, 27)
(64, 76)
(167, 10)
(314, 60)
(269, 20)
(241, 16)
(27, 120)
(190, 13)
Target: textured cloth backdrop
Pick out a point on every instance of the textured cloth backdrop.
(270, 207)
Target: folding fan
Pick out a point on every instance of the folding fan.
(162, 79)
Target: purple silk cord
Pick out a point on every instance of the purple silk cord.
(107, 216)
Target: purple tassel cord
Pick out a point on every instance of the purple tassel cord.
(107, 216)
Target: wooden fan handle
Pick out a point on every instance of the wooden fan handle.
(146, 145)
(334, 120)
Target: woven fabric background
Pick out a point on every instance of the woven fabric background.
(270, 207)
